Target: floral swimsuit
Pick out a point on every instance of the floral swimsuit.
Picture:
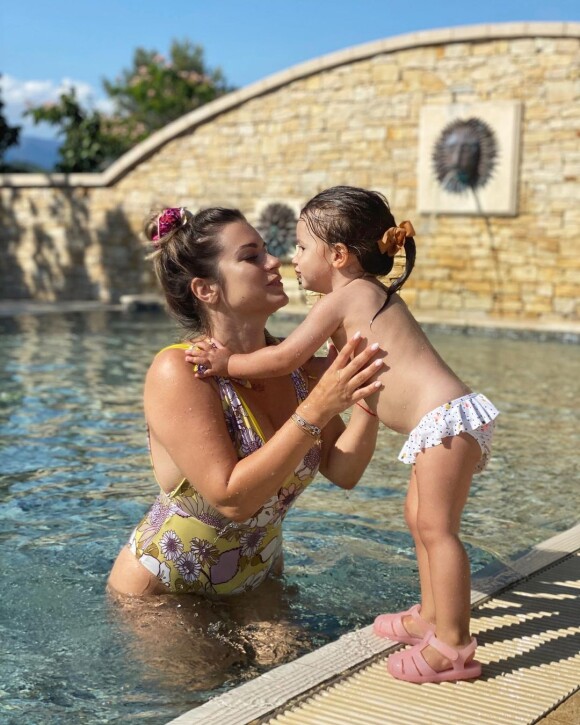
(191, 547)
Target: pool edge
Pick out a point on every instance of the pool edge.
(274, 689)
(557, 331)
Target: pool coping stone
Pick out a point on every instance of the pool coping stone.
(556, 331)
(265, 694)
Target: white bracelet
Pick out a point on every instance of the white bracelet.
(307, 427)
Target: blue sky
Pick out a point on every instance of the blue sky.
(45, 46)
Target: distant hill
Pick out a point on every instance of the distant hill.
(37, 153)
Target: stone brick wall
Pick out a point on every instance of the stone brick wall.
(349, 118)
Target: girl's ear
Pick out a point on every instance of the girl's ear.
(340, 256)
(205, 291)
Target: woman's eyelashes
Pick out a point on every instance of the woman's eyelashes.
(261, 255)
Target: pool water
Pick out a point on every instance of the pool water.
(75, 479)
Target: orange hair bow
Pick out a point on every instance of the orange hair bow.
(394, 238)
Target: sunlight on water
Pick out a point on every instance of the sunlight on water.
(75, 478)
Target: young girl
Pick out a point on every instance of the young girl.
(346, 237)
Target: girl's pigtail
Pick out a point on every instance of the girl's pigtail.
(410, 253)
(395, 286)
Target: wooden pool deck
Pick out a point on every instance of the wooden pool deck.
(527, 620)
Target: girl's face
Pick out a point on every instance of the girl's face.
(312, 260)
(250, 278)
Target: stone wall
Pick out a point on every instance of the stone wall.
(349, 118)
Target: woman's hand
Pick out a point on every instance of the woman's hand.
(210, 357)
(345, 382)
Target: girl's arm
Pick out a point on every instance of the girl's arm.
(187, 428)
(321, 322)
(347, 451)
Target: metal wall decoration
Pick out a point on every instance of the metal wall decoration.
(468, 158)
(277, 227)
(465, 155)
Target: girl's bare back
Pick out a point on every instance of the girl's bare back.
(416, 380)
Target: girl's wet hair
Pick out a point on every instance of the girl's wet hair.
(358, 218)
(187, 246)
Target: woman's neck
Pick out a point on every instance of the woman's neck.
(239, 335)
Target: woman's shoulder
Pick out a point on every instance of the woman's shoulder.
(170, 357)
(175, 346)
(169, 370)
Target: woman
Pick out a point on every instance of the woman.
(231, 456)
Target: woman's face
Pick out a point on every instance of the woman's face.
(250, 278)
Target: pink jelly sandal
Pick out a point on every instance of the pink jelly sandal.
(410, 665)
(390, 626)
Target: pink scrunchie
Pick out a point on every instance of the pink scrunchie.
(169, 219)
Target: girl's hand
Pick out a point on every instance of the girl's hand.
(317, 366)
(325, 362)
(210, 357)
(345, 382)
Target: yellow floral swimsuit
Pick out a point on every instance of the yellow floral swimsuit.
(191, 547)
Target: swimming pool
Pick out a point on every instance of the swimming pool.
(75, 478)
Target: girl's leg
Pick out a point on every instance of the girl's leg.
(427, 601)
(444, 475)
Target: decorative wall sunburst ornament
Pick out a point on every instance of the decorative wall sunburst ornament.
(277, 227)
(465, 155)
(468, 158)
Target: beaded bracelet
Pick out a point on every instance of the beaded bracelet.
(307, 427)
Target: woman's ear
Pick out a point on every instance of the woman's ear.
(205, 291)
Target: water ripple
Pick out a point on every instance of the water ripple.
(75, 478)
